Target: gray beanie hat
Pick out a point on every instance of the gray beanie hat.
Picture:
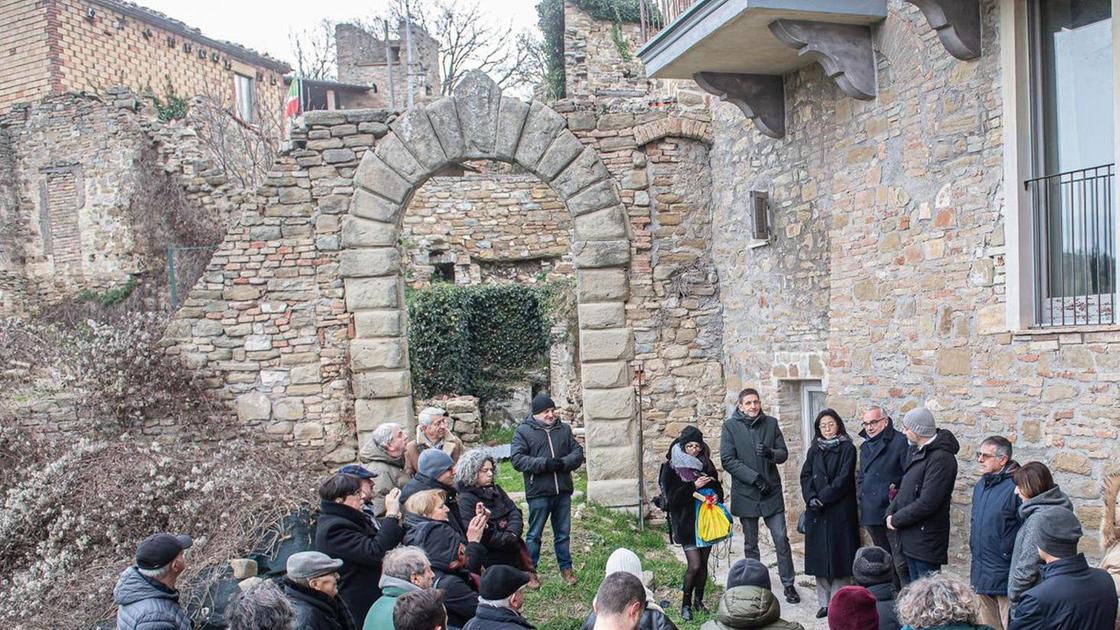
(872, 566)
(748, 572)
(433, 462)
(920, 421)
(1059, 532)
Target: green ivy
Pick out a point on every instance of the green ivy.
(478, 339)
(620, 43)
(112, 296)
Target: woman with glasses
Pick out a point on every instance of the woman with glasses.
(828, 485)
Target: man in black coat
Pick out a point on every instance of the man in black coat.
(1071, 595)
(882, 458)
(344, 532)
(311, 585)
(545, 452)
(500, 600)
(920, 512)
(751, 447)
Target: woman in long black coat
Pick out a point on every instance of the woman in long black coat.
(828, 485)
(690, 469)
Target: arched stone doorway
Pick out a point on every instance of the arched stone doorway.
(478, 122)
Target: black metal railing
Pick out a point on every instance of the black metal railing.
(1074, 225)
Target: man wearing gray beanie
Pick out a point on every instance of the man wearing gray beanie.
(1071, 595)
(920, 512)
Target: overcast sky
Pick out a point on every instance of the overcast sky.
(264, 25)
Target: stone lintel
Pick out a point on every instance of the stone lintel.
(761, 97)
(957, 23)
(843, 50)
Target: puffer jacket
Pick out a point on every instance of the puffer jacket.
(738, 439)
(995, 522)
(534, 443)
(749, 607)
(390, 473)
(1025, 561)
(144, 604)
(920, 512)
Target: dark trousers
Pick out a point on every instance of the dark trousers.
(920, 568)
(888, 539)
(776, 523)
(558, 509)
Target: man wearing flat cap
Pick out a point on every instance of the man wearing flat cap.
(500, 600)
(145, 593)
(545, 453)
(312, 586)
(1070, 595)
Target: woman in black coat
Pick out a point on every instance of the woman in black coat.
(690, 468)
(828, 485)
(474, 479)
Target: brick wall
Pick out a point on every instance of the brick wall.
(24, 51)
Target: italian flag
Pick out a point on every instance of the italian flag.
(291, 105)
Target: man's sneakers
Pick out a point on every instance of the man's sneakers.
(569, 577)
(791, 595)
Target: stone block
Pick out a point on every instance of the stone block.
(367, 262)
(376, 355)
(616, 344)
(602, 285)
(243, 568)
(599, 254)
(241, 293)
(512, 113)
(445, 122)
(382, 384)
(393, 153)
(608, 404)
(256, 343)
(415, 131)
(253, 406)
(612, 461)
(606, 375)
(617, 493)
(1058, 391)
(376, 176)
(307, 431)
(338, 156)
(596, 197)
(206, 328)
(541, 128)
(292, 195)
(372, 293)
(581, 173)
(288, 409)
(954, 362)
(1066, 461)
(991, 320)
(359, 232)
(562, 152)
(304, 374)
(478, 99)
(598, 315)
(383, 323)
(370, 206)
(602, 225)
(370, 413)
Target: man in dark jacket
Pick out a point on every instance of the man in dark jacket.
(546, 453)
(751, 447)
(873, 569)
(995, 521)
(344, 532)
(1071, 595)
(312, 586)
(145, 593)
(500, 600)
(920, 512)
(882, 458)
(436, 471)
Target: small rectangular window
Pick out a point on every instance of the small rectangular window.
(245, 97)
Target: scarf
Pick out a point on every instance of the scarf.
(685, 465)
(831, 443)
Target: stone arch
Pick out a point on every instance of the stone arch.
(478, 122)
(673, 127)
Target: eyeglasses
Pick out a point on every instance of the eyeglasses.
(871, 423)
(984, 456)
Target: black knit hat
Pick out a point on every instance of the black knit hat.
(500, 581)
(872, 566)
(748, 572)
(542, 403)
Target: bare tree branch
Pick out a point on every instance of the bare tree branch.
(314, 47)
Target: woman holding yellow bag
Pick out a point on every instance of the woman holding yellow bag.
(690, 470)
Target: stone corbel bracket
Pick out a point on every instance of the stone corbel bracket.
(761, 97)
(957, 23)
(843, 50)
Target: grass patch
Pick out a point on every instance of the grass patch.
(494, 435)
(596, 533)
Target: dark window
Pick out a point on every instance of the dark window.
(444, 272)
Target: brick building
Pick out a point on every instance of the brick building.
(50, 47)
(381, 61)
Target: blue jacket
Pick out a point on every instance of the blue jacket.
(144, 604)
(995, 522)
(1071, 596)
(882, 460)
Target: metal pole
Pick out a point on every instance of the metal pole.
(389, 68)
(171, 277)
(639, 372)
(408, 44)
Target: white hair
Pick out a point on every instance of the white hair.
(496, 603)
(429, 414)
(405, 562)
(384, 433)
(156, 574)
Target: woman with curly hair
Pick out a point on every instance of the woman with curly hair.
(475, 480)
(939, 602)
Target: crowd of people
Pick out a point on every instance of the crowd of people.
(420, 536)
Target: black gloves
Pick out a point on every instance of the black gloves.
(763, 487)
(815, 504)
(503, 540)
(555, 464)
(764, 451)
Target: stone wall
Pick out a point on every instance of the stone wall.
(362, 61)
(886, 276)
(599, 59)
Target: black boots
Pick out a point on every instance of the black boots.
(686, 612)
(791, 595)
(698, 603)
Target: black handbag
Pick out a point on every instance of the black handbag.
(801, 523)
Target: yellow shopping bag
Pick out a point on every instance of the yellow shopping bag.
(713, 521)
